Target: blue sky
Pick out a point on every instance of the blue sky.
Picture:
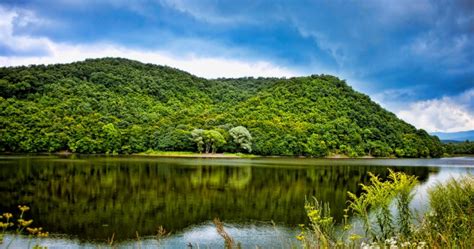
(415, 58)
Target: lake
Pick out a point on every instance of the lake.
(84, 201)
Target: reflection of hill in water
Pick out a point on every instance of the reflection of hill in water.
(94, 199)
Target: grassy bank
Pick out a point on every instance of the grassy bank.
(234, 155)
(194, 154)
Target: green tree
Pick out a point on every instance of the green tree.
(316, 146)
(118, 105)
(242, 138)
(198, 137)
(213, 140)
(111, 138)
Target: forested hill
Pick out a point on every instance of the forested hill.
(116, 105)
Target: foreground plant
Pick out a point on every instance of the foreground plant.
(322, 231)
(229, 242)
(7, 221)
(448, 224)
(450, 220)
(373, 206)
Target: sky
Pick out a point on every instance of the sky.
(415, 58)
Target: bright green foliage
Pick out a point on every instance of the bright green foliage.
(213, 140)
(207, 140)
(379, 194)
(198, 138)
(450, 223)
(377, 199)
(242, 138)
(321, 225)
(322, 231)
(316, 146)
(121, 106)
(111, 138)
(403, 185)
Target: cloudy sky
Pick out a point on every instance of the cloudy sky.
(415, 58)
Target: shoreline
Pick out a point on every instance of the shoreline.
(187, 154)
(183, 154)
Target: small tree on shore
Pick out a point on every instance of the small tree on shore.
(207, 140)
(213, 140)
(242, 138)
(198, 137)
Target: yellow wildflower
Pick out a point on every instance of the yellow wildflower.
(32, 230)
(25, 223)
(43, 234)
(313, 213)
(7, 215)
(355, 237)
(23, 208)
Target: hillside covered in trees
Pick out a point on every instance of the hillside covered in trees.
(114, 105)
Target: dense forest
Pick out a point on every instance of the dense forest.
(115, 105)
(466, 147)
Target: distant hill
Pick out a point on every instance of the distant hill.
(455, 136)
(115, 105)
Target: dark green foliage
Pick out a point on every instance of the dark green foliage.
(466, 147)
(120, 106)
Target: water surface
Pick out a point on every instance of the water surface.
(85, 200)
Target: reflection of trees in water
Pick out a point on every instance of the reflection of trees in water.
(93, 199)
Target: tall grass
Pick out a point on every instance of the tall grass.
(449, 223)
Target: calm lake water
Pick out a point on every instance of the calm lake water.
(85, 200)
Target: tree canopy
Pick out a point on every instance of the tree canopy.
(242, 138)
(121, 106)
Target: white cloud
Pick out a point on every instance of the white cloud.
(20, 44)
(200, 66)
(447, 114)
(29, 50)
